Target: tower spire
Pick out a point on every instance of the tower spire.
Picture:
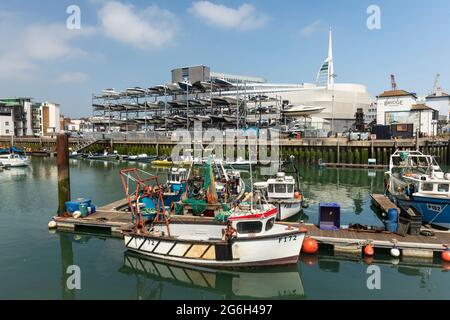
(325, 76)
(330, 60)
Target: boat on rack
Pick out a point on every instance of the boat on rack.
(13, 158)
(301, 111)
(416, 180)
(282, 194)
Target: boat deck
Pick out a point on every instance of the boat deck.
(109, 218)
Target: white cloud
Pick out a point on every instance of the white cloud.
(245, 17)
(151, 28)
(72, 77)
(23, 48)
(308, 30)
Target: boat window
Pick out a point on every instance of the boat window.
(249, 227)
(280, 188)
(269, 224)
(290, 188)
(443, 187)
(427, 187)
(270, 188)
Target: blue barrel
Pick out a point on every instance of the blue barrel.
(391, 226)
(393, 215)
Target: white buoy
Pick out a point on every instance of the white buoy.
(52, 224)
(395, 252)
(76, 214)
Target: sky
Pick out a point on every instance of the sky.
(121, 44)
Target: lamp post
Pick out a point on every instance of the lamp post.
(332, 103)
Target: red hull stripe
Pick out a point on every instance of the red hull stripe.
(266, 214)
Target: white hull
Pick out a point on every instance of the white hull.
(279, 247)
(15, 163)
(286, 209)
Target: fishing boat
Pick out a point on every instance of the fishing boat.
(13, 158)
(249, 238)
(415, 179)
(282, 194)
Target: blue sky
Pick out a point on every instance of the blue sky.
(136, 43)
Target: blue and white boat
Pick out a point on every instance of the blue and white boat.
(415, 179)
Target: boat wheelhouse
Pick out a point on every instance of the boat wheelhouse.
(281, 193)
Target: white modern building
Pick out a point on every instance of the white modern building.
(6, 122)
(403, 107)
(439, 101)
(340, 100)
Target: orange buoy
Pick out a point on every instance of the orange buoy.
(368, 250)
(310, 246)
(445, 255)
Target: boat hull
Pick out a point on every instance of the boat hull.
(279, 249)
(15, 164)
(434, 211)
(286, 209)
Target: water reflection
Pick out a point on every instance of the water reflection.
(152, 276)
(65, 243)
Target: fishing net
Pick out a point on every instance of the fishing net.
(198, 206)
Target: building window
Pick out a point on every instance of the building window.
(6, 123)
(7, 131)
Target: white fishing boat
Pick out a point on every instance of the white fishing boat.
(14, 160)
(281, 193)
(416, 180)
(249, 238)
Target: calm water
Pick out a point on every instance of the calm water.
(32, 259)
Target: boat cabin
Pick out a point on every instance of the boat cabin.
(422, 186)
(282, 187)
(176, 177)
(249, 222)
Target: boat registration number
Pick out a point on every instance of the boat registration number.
(287, 238)
(434, 207)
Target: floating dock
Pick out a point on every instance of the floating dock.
(112, 220)
(355, 165)
(382, 203)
